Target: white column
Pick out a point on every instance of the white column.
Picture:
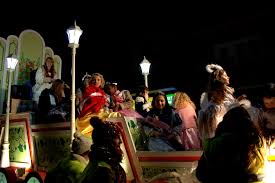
(5, 158)
(73, 93)
(146, 79)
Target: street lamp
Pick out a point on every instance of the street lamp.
(74, 34)
(145, 67)
(5, 158)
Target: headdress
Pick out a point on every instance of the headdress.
(86, 76)
(111, 83)
(213, 67)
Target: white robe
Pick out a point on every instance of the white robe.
(41, 84)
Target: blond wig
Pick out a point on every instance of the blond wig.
(181, 99)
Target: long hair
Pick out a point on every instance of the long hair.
(238, 121)
(49, 72)
(216, 88)
(58, 89)
(207, 122)
(181, 99)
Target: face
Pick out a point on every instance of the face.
(146, 94)
(160, 102)
(225, 78)
(96, 81)
(111, 90)
(49, 63)
(269, 102)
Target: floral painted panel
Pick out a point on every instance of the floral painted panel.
(25, 67)
(19, 149)
(50, 148)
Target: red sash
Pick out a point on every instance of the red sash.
(94, 100)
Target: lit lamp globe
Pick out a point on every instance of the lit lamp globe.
(145, 68)
(11, 63)
(74, 34)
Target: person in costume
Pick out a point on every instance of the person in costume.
(44, 77)
(186, 109)
(106, 154)
(215, 101)
(94, 100)
(79, 92)
(142, 103)
(121, 102)
(163, 126)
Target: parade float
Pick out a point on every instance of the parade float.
(35, 147)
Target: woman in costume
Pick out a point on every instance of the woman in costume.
(215, 102)
(94, 100)
(44, 77)
(163, 126)
(187, 111)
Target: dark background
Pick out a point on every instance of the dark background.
(178, 42)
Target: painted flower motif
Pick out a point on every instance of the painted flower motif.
(25, 67)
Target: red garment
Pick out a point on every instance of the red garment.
(94, 100)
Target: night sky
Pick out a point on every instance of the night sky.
(177, 43)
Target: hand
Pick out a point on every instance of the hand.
(155, 134)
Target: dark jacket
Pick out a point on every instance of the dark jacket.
(103, 167)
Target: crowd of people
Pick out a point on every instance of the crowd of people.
(228, 128)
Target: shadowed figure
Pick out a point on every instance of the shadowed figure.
(236, 153)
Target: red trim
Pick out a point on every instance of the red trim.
(126, 144)
(170, 159)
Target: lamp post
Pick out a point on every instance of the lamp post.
(145, 67)
(74, 34)
(5, 158)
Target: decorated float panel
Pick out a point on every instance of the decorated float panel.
(31, 51)
(147, 164)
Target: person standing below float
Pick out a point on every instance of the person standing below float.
(106, 154)
(69, 169)
(237, 152)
